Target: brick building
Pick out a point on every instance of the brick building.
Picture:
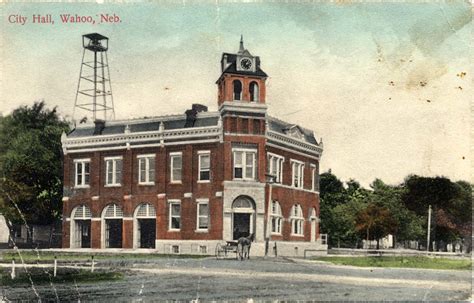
(183, 183)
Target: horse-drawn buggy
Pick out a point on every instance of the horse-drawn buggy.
(227, 248)
(241, 248)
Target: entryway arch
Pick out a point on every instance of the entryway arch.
(144, 226)
(112, 226)
(243, 217)
(80, 227)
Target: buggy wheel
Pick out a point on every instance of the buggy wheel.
(220, 250)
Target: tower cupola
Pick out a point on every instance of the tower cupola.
(242, 79)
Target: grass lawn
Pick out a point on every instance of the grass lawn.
(407, 262)
(32, 256)
(42, 276)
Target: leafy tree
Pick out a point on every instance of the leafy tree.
(409, 224)
(30, 164)
(451, 203)
(338, 209)
(375, 222)
(332, 194)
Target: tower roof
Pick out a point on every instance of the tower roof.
(232, 67)
(229, 62)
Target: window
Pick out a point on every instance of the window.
(237, 89)
(296, 220)
(146, 169)
(245, 164)
(315, 176)
(113, 171)
(297, 168)
(176, 167)
(253, 90)
(202, 215)
(82, 172)
(276, 218)
(175, 249)
(204, 165)
(175, 215)
(275, 167)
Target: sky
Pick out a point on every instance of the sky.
(386, 86)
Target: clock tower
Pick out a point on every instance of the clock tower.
(242, 80)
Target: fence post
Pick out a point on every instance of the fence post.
(13, 275)
(55, 266)
(92, 267)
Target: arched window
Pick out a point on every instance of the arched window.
(254, 92)
(276, 218)
(113, 211)
(243, 202)
(237, 89)
(145, 210)
(313, 215)
(297, 220)
(81, 212)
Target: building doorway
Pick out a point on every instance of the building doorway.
(144, 230)
(113, 233)
(81, 227)
(112, 222)
(243, 217)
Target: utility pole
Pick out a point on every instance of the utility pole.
(429, 229)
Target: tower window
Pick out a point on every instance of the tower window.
(237, 89)
(253, 89)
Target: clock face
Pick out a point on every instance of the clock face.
(246, 63)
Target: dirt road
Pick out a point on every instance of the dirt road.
(257, 279)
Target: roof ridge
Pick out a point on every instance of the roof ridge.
(292, 124)
(152, 119)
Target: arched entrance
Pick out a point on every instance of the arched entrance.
(243, 217)
(80, 233)
(144, 226)
(112, 217)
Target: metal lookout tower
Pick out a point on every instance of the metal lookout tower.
(94, 90)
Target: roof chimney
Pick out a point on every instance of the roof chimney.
(99, 126)
(191, 114)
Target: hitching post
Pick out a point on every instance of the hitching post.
(429, 229)
(92, 267)
(13, 275)
(55, 266)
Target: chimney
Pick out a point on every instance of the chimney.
(191, 114)
(99, 126)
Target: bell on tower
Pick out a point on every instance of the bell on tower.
(242, 79)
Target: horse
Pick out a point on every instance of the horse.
(243, 246)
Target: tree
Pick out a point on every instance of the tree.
(332, 194)
(338, 209)
(375, 222)
(451, 203)
(409, 224)
(30, 164)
